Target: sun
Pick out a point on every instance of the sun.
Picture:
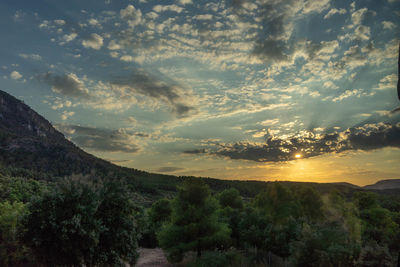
(297, 156)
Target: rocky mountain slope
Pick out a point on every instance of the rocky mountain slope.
(27, 140)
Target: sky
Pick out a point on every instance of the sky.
(296, 90)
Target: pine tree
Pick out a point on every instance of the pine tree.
(194, 223)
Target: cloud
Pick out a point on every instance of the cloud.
(59, 22)
(346, 94)
(358, 16)
(387, 82)
(271, 50)
(362, 32)
(169, 92)
(273, 28)
(354, 57)
(169, 169)
(131, 120)
(113, 45)
(103, 140)
(132, 15)
(310, 144)
(93, 22)
(203, 17)
(195, 151)
(31, 56)
(173, 8)
(15, 75)
(316, 6)
(44, 24)
(66, 84)
(69, 37)
(66, 114)
(388, 25)
(127, 58)
(94, 41)
(269, 122)
(334, 11)
(185, 2)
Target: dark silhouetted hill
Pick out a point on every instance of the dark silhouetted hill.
(27, 140)
(384, 185)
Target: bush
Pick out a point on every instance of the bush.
(79, 224)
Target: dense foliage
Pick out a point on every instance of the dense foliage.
(100, 222)
(295, 226)
(79, 223)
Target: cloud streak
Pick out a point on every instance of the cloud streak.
(168, 92)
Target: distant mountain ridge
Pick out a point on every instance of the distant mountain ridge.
(384, 184)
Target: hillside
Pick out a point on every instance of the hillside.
(384, 185)
(27, 140)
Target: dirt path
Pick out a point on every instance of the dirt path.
(149, 257)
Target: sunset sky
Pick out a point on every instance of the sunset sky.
(227, 89)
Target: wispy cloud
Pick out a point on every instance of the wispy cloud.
(178, 98)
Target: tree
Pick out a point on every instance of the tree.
(279, 202)
(230, 198)
(272, 225)
(158, 214)
(231, 207)
(325, 245)
(366, 200)
(117, 213)
(375, 255)
(194, 223)
(80, 223)
(19, 189)
(160, 211)
(12, 252)
(311, 203)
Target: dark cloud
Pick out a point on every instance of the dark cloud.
(168, 169)
(195, 151)
(309, 144)
(66, 84)
(271, 50)
(274, 18)
(100, 139)
(168, 92)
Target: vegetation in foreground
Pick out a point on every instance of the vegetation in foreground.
(98, 222)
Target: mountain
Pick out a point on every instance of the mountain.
(384, 185)
(27, 140)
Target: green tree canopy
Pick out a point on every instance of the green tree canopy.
(79, 224)
(230, 198)
(194, 222)
(160, 211)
